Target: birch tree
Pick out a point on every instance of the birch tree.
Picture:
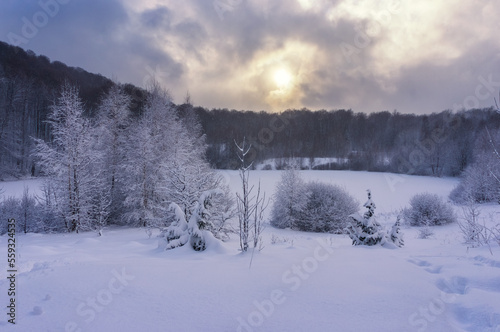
(113, 120)
(74, 165)
(146, 164)
(250, 204)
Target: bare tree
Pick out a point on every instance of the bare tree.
(250, 206)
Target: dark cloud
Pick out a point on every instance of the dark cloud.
(158, 18)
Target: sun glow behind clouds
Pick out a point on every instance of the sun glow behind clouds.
(302, 65)
(282, 78)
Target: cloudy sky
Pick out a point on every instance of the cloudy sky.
(414, 56)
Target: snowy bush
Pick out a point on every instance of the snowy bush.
(9, 208)
(428, 210)
(481, 180)
(25, 210)
(475, 234)
(289, 199)
(327, 209)
(281, 240)
(425, 233)
(478, 182)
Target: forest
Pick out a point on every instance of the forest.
(438, 144)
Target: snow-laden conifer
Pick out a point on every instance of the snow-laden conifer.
(366, 230)
(191, 230)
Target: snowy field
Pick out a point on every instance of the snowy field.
(298, 282)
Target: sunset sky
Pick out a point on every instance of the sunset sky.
(412, 56)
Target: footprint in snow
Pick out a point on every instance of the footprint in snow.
(486, 261)
(428, 267)
(454, 285)
(420, 263)
(37, 311)
(435, 269)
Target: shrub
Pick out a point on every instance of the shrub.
(480, 182)
(428, 210)
(327, 209)
(289, 200)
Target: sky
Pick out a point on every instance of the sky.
(411, 56)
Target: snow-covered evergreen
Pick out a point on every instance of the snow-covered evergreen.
(396, 236)
(191, 230)
(366, 230)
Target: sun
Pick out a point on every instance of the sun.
(282, 78)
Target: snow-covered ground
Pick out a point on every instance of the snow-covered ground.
(298, 282)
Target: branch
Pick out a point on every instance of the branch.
(496, 104)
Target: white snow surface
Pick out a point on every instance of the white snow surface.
(124, 281)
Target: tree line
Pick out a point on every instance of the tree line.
(438, 144)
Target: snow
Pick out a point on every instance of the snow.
(274, 163)
(123, 281)
(15, 188)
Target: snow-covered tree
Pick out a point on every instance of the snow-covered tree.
(250, 205)
(222, 210)
(194, 229)
(148, 154)
(112, 121)
(395, 235)
(165, 163)
(177, 233)
(290, 199)
(366, 230)
(74, 165)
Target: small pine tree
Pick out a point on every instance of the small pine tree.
(182, 231)
(396, 236)
(365, 230)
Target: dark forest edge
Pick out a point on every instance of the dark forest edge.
(438, 144)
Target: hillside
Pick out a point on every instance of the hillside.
(437, 144)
